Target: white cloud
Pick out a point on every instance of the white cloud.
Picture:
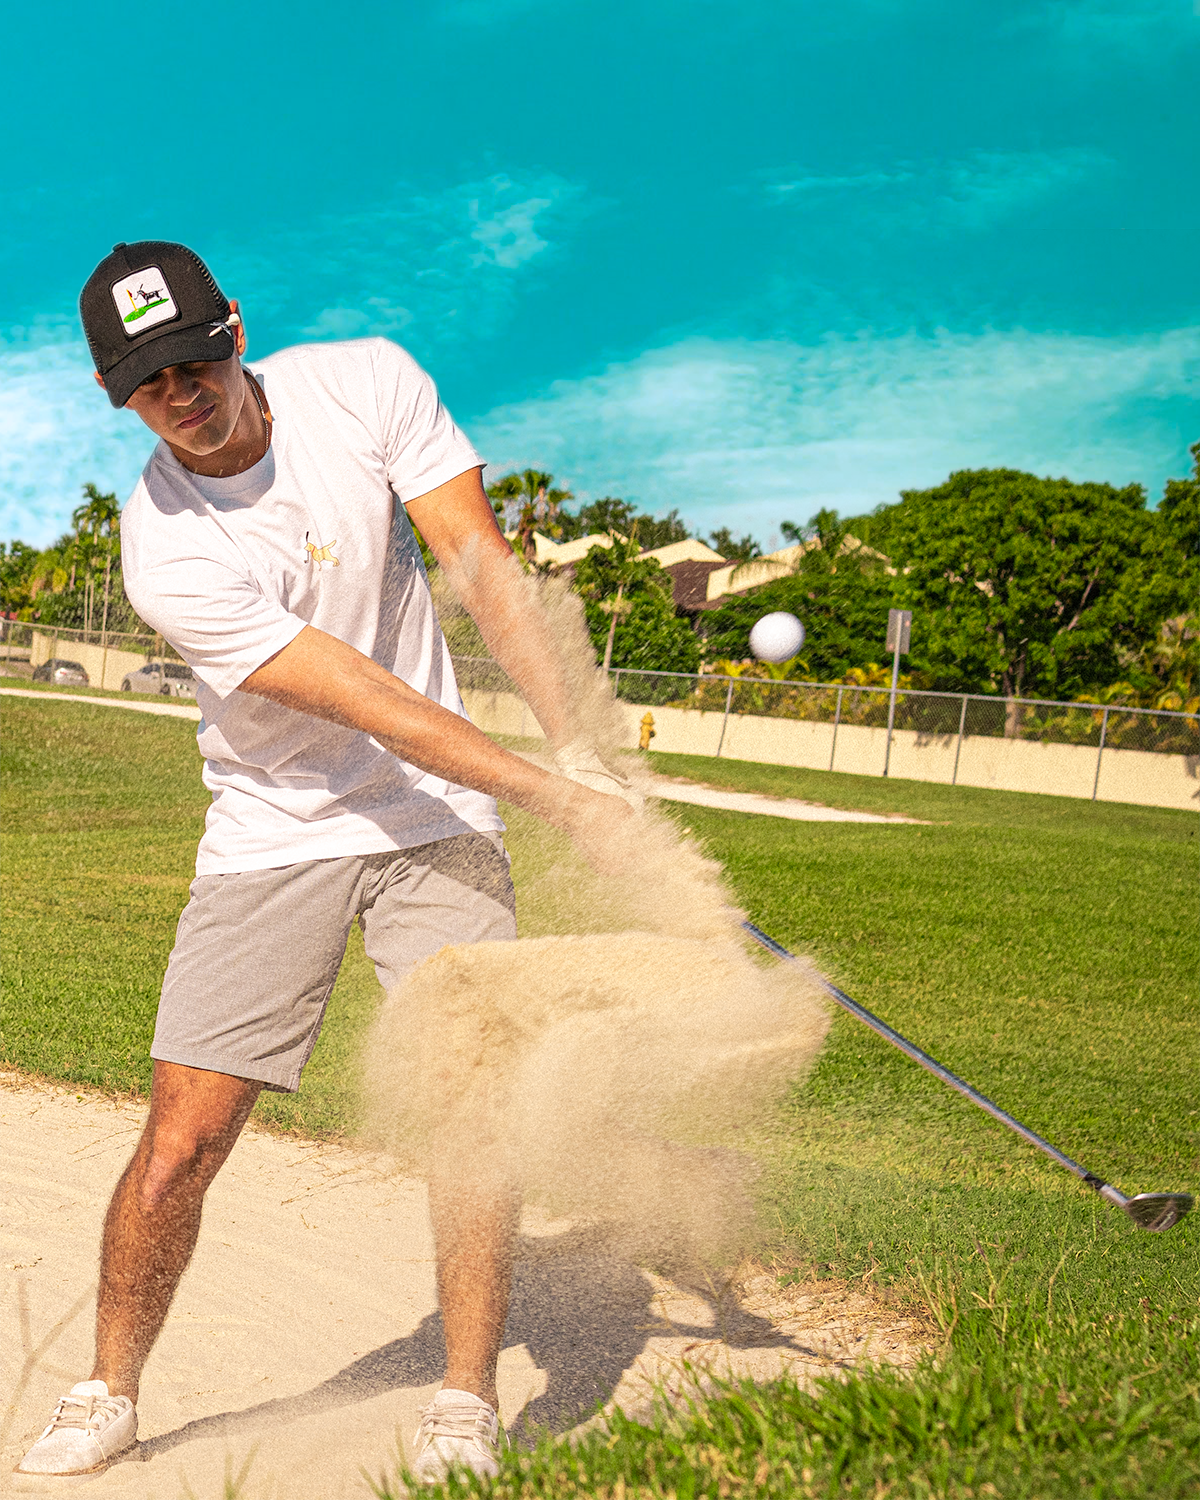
(441, 270)
(753, 433)
(1141, 25)
(815, 182)
(731, 432)
(57, 433)
(974, 191)
(509, 238)
(377, 317)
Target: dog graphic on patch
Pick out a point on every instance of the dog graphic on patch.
(318, 554)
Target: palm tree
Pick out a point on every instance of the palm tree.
(620, 561)
(539, 504)
(99, 518)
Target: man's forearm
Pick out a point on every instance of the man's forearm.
(320, 675)
(518, 633)
(457, 523)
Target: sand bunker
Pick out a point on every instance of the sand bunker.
(306, 1331)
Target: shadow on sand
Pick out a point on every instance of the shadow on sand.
(584, 1313)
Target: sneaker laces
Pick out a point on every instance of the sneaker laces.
(88, 1413)
(458, 1419)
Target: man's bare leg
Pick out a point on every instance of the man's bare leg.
(474, 1234)
(154, 1217)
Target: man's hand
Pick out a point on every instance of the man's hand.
(602, 827)
(580, 763)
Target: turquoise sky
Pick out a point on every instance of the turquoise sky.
(745, 260)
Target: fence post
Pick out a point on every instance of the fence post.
(1100, 752)
(837, 719)
(725, 720)
(962, 724)
(887, 754)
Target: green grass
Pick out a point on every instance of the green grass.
(1044, 948)
(101, 813)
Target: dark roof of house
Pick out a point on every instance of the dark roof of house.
(689, 585)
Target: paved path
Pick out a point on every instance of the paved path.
(171, 710)
(306, 1331)
(775, 807)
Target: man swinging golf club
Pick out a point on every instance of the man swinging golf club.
(269, 541)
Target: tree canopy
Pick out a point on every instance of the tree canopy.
(1019, 585)
(734, 549)
(609, 515)
(1016, 582)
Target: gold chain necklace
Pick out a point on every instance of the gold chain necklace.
(268, 422)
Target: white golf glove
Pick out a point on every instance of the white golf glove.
(579, 762)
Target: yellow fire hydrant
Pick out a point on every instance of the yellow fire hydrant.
(647, 732)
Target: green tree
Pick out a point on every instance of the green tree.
(76, 582)
(97, 524)
(661, 531)
(611, 514)
(601, 517)
(825, 527)
(1178, 534)
(17, 560)
(630, 613)
(734, 549)
(1159, 602)
(1015, 581)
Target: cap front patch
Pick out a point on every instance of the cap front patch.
(143, 300)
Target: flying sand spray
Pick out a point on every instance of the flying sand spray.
(605, 1062)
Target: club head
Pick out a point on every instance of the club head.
(1157, 1211)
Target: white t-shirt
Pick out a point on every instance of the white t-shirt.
(231, 570)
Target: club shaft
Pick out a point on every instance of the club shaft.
(931, 1065)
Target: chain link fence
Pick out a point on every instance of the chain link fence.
(930, 715)
(17, 641)
(946, 717)
(936, 715)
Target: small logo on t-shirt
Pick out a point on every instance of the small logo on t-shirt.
(143, 300)
(318, 554)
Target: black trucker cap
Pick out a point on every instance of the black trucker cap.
(150, 305)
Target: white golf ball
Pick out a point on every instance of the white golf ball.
(777, 637)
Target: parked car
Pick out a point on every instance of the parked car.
(64, 673)
(172, 679)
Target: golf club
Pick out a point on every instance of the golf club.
(1153, 1211)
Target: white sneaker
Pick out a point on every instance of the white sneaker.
(458, 1430)
(88, 1430)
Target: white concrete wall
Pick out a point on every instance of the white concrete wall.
(1135, 776)
(105, 668)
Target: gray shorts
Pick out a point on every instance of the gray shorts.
(257, 952)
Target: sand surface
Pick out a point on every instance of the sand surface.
(306, 1331)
